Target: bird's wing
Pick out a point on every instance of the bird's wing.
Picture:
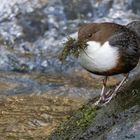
(128, 46)
(127, 42)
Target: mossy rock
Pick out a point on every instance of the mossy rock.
(91, 123)
(76, 124)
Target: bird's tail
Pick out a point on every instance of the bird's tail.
(134, 26)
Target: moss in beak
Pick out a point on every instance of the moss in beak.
(72, 47)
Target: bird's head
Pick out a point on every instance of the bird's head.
(99, 32)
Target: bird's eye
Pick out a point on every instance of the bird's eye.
(90, 35)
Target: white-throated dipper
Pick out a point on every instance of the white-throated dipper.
(112, 49)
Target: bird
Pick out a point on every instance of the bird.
(112, 49)
(134, 26)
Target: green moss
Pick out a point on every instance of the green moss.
(75, 125)
(72, 47)
(87, 115)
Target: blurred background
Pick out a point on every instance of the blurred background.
(32, 31)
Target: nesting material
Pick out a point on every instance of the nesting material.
(72, 47)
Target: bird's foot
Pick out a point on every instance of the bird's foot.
(103, 100)
(106, 97)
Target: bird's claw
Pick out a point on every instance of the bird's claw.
(105, 99)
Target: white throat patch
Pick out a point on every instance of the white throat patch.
(99, 58)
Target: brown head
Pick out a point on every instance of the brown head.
(99, 32)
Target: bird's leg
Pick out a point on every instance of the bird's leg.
(102, 94)
(116, 89)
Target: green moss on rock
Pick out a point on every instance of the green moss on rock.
(93, 123)
(75, 125)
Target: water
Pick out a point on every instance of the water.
(32, 32)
